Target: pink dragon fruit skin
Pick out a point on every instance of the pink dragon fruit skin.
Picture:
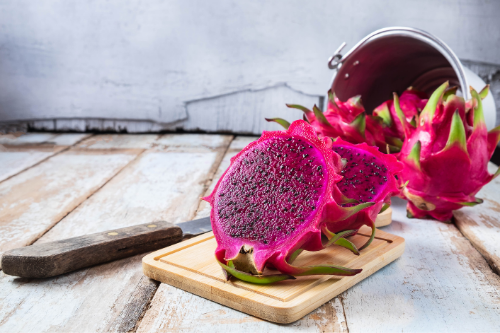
(274, 201)
(445, 154)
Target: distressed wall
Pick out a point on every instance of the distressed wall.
(195, 65)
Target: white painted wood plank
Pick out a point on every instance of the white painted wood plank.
(52, 305)
(119, 141)
(27, 138)
(69, 139)
(13, 162)
(32, 139)
(160, 185)
(191, 140)
(440, 284)
(173, 309)
(33, 201)
(481, 224)
(20, 153)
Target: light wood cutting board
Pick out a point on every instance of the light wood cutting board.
(191, 266)
(384, 219)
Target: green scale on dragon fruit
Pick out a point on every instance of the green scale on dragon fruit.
(274, 201)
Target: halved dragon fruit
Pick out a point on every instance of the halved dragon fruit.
(445, 153)
(368, 176)
(274, 201)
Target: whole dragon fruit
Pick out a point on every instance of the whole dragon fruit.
(277, 198)
(445, 154)
(411, 103)
(346, 120)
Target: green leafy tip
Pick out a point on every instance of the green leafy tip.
(395, 142)
(476, 201)
(399, 112)
(384, 208)
(404, 185)
(256, 279)
(280, 121)
(414, 155)
(321, 270)
(497, 173)
(331, 98)
(320, 116)
(372, 237)
(478, 110)
(385, 114)
(295, 255)
(328, 270)
(356, 101)
(430, 107)
(359, 123)
(413, 121)
(484, 92)
(345, 243)
(457, 133)
(450, 92)
(349, 211)
(339, 239)
(306, 111)
(346, 200)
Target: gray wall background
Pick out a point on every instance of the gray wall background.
(216, 65)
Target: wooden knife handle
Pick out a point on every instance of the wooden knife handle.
(59, 257)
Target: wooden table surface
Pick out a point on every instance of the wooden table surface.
(55, 186)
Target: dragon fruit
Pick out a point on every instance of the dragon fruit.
(411, 103)
(349, 121)
(346, 120)
(368, 176)
(274, 201)
(445, 154)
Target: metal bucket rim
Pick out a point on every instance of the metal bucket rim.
(421, 35)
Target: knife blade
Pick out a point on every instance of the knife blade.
(63, 256)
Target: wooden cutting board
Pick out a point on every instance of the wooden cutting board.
(384, 219)
(191, 266)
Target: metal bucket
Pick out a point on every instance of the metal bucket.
(393, 59)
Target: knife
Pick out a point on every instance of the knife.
(63, 256)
